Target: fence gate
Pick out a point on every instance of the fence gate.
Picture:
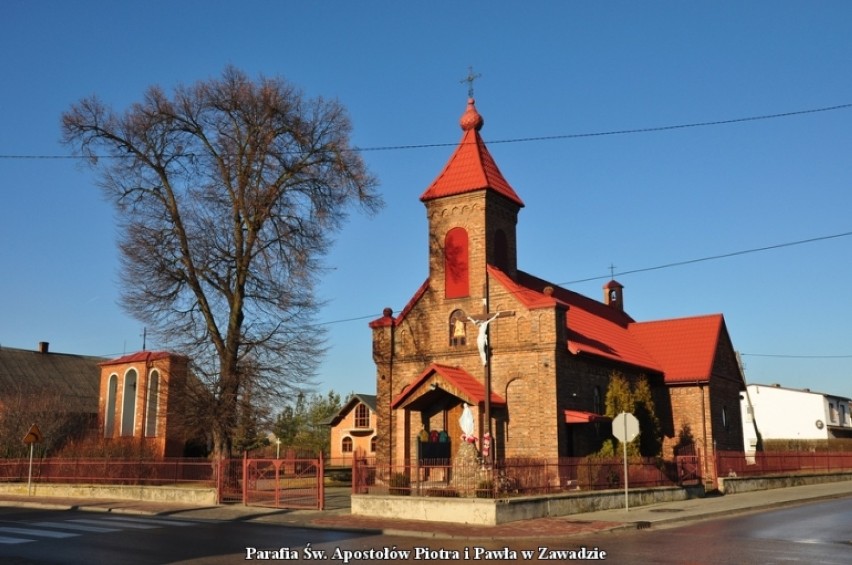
(688, 460)
(284, 483)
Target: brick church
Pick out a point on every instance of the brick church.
(529, 360)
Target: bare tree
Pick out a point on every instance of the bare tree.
(228, 194)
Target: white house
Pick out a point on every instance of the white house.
(776, 412)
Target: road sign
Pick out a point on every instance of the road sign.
(625, 427)
(33, 436)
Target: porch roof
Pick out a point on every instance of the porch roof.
(455, 380)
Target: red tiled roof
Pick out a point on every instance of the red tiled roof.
(139, 356)
(471, 166)
(387, 320)
(685, 347)
(682, 350)
(473, 390)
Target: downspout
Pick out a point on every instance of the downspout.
(704, 429)
(390, 389)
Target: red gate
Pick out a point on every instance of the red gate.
(284, 483)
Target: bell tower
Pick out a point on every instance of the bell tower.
(472, 213)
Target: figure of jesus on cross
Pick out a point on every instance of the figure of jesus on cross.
(481, 321)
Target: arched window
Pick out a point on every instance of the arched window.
(373, 442)
(599, 408)
(109, 409)
(458, 328)
(152, 405)
(128, 403)
(456, 264)
(346, 445)
(362, 416)
(501, 251)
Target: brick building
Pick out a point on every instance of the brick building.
(545, 353)
(140, 396)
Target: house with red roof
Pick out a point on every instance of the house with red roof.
(531, 360)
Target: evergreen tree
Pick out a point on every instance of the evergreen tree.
(637, 400)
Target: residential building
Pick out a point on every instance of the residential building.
(353, 430)
(773, 412)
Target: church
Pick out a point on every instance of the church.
(529, 360)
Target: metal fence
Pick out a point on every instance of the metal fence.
(110, 471)
(735, 463)
(511, 477)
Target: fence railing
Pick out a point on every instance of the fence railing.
(512, 477)
(735, 463)
(110, 471)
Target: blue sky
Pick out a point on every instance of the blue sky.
(549, 69)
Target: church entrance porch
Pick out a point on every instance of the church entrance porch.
(441, 418)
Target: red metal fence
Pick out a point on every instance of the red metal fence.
(281, 483)
(735, 463)
(110, 471)
(512, 477)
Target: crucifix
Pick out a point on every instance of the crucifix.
(469, 80)
(481, 321)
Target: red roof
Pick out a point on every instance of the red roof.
(685, 347)
(581, 417)
(139, 356)
(471, 166)
(682, 350)
(387, 317)
(473, 391)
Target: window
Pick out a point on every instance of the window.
(152, 405)
(346, 445)
(843, 414)
(109, 411)
(373, 442)
(456, 267)
(128, 403)
(599, 408)
(362, 416)
(832, 412)
(725, 417)
(458, 328)
(501, 251)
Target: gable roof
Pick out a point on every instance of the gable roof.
(471, 167)
(75, 377)
(369, 400)
(681, 349)
(685, 347)
(464, 385)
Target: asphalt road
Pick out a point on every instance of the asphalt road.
(810, 533)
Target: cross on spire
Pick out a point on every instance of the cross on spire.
(471, 76)
(611, 271)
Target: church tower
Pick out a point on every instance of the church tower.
(472, 213)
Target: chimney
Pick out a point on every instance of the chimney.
(43, 347)
(614, 295)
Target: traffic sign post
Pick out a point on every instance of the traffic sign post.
(33, 437)
(625, 428)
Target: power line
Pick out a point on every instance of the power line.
(783, 356)
(713, 257)
(518, 139)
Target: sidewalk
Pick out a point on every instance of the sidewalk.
(654, 516)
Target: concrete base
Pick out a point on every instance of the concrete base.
(178, 495)
(733, 485)
(491, 512)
